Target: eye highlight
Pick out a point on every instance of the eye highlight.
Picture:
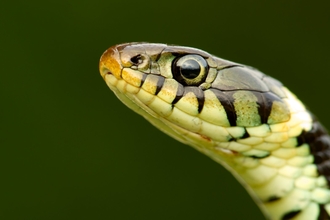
(190, 70)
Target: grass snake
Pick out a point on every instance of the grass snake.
(238, 116)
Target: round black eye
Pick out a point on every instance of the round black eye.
(190, 69)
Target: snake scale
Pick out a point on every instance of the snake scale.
(241, 118)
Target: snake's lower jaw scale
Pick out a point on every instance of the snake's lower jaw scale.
(238, 116)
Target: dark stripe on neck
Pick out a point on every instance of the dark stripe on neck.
(160, 84)
(319, 144)
(199, 95)
(265, 102)
(227, 101)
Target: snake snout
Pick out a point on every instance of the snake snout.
(110, 63)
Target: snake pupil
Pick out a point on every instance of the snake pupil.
(190, 69)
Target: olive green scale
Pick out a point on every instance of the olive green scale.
(241, 118)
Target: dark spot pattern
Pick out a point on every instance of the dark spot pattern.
(319, 144)
(179, 94)
(199, 95)
(227, 102)
(198, 92)
(273, 198)
(290, 215)
(144, 76)
(265, 103)
(160, 84)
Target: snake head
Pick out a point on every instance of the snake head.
(191, 95)
(188, 65)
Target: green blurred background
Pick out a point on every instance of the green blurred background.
(71, 150)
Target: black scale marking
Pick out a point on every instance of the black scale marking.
(199, 95)
(265, 103)
(144, 76)
(179, 94)
(160, 84)
(290, 215)
(182, 91)
(317, 138)
(227, 102)
(319, 144)
(273, 198)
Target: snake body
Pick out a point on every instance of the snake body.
(238, 116)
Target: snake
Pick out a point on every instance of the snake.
(243, 119)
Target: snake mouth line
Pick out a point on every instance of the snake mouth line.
(105, 72)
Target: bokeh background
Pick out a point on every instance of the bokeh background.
(70, 150)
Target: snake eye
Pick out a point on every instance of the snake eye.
(190, 69)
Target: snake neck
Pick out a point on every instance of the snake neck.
(286, 171)
(292, 182)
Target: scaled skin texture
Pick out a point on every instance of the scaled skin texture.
(241, 118)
